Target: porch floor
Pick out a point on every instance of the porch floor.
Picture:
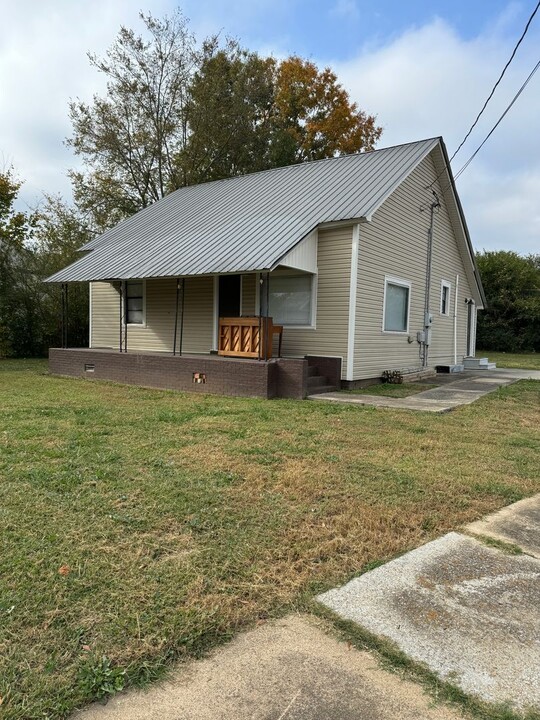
(162, 353)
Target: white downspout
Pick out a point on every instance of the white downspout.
(456, 292)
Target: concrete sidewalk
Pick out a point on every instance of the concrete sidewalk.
(284, 670)
(469, 612)
(452, 391)
(518, 524)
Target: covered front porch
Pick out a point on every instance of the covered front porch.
(229, 333)
(232, 315)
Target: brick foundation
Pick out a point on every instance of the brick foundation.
(283, 377)
(409, 375)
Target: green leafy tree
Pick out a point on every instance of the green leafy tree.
(60, 232)
(33, 246)
(229, 114)
(247, 113)
(129, 139)
(16, 297)
(511, 322)
(175, 114)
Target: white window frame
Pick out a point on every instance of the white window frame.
(143, 324)
(314, 288)
(389, 279)
(448, 285)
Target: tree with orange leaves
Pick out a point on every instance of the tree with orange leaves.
(316, 113)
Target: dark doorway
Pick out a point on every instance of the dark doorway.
(229, 295)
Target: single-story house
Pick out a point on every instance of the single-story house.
(317, 275)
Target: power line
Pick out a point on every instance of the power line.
(447, 165)
(498, 81)
(490, 133)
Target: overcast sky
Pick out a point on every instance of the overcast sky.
(424, 68)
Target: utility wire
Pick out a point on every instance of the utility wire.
(498, 81)
(447, 165)
(490, 133)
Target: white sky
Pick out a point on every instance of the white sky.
(424, 81)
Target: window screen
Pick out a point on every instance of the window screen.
(134, 291)
(396, 308)
(290, 299)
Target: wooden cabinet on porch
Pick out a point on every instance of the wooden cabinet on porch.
(240, 337)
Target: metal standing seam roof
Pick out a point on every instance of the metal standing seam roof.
(246, 223)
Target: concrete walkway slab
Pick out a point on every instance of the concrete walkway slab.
(471, 613)
(452, 391)
(408, 403)
(284, 670)
(518, 524)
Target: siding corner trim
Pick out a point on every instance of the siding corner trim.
(352, 301)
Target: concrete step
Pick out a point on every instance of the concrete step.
(322, 389)
(316, 381)
(473, 363)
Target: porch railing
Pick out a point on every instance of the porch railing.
(241, 337)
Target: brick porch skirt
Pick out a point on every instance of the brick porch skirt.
(280, 377)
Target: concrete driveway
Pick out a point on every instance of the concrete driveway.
(469, 612)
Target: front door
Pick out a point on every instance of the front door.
(229, 295)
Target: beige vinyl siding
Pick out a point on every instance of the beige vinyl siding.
(395, 244)
(248, 295)
(198, 314)
(104, 315)
(160, 302)
(332, 316)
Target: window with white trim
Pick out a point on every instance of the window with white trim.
(446, 288)
(396, 305)
(291, 300)
(135, 302)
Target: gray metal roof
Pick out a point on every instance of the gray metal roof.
(247, 223)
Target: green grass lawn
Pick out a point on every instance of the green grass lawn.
(142, 527)
(527, 361)
(390, 390)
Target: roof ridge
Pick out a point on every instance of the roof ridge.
(306, 162)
